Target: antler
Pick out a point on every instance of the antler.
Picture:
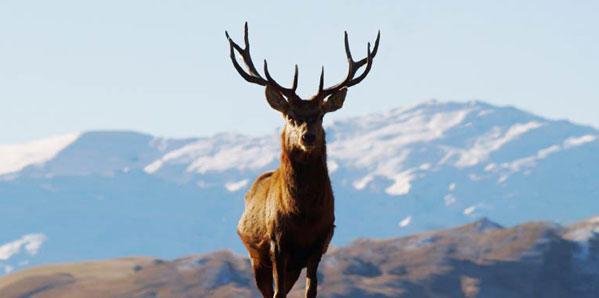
(253, 76)
(353, 68)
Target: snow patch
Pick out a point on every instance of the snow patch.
(419, 241)
(363, 182)
(402, 184)
(449, 199)
(527, 163)
(582, 233)
(235, 186)
(220, 153)
(491, 142)
(332, 166)
(239, 157)
(543, 153)
(470, 210)
(381, 143)
(485, 112)
(585, 231)
(490, 167)
(451, 187)
(503, 178)
(154, 166)
(14, 158)
(30, 243)
(425, 166)
(405, 222)
(577, 141)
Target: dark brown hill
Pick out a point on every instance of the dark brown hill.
(481, 259)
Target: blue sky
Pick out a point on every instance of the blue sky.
(162, 66)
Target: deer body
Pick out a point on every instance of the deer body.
(288, 220)
(289, 213)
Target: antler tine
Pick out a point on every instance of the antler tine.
(290, 93)
(252, 75)
(347, 51)
(366, 70)
(246, 40)
(321, 84)
(295, 75)
(353, 67)
(374, 50)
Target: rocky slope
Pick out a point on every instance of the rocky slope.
(481, 259)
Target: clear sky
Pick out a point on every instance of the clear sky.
(162, 67)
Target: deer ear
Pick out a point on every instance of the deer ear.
(276, 100)
(335, 101)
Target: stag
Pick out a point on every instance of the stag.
(288, 220)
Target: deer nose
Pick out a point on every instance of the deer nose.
(309, 138)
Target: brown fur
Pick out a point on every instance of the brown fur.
(289, 219)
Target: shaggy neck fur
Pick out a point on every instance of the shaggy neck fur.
(305, 176)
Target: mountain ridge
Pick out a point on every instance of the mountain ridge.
(428, 166)
(535, 259)
(426, 103)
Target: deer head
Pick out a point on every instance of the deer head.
(303, 118)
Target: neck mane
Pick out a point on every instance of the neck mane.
(305, 173)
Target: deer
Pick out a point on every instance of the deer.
(289, 220)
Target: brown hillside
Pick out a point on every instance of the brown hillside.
(477, 260)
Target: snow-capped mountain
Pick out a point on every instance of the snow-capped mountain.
(429, 166)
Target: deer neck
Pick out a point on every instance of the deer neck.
(305, 174)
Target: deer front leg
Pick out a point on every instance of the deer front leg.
(279, 262)
(263, 277)
(312, 276)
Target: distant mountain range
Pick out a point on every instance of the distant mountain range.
(434, 165)
(481, 259)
